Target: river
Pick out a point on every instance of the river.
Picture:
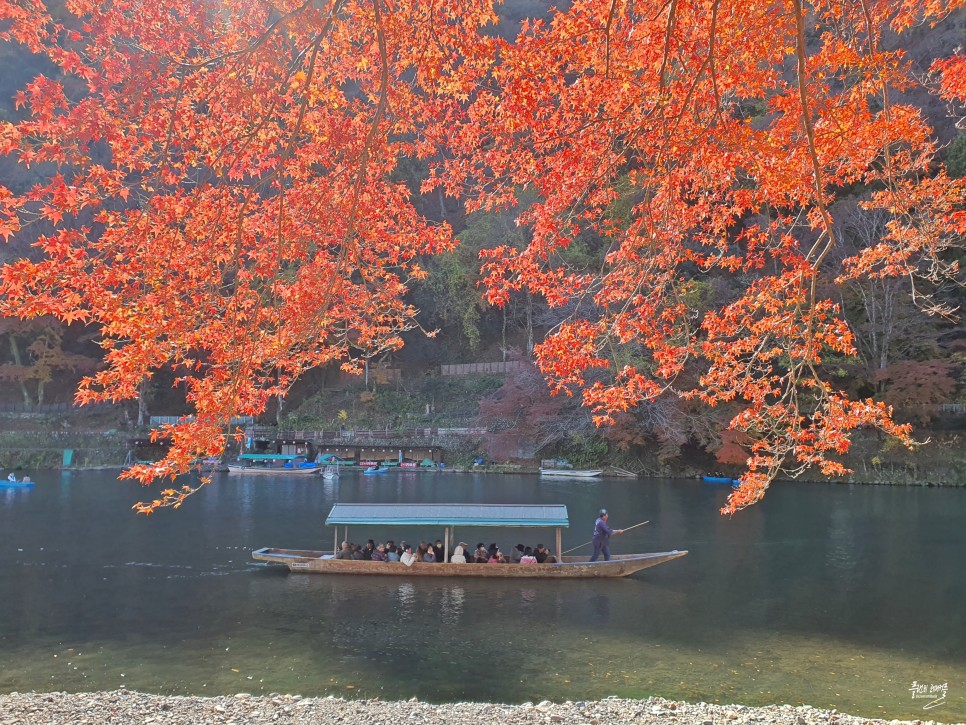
(851, 597)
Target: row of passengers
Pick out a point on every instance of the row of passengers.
(432, 553)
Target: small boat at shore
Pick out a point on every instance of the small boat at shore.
(375, 470)
(570, 472)
(273, 464)
(720, 479)
(449, 516)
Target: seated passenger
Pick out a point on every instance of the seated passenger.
(543, 555)
(438, 550)
(516, 554)
(392, 554)
(429, 556)
(496, 557)
(459, 556)
(407, 558)
(528, 557)
(368, 549)
(421, 551)
(357, 554)
(345, 552)
(480, 556)
(379, 554)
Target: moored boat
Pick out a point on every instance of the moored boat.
(720, 479)
(273, 464)
(375, 470)
(570, 472)
(449, 516)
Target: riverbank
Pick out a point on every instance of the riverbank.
(122, 707)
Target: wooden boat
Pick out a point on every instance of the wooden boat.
(720, 479)
(273, 464)
(449, 516)
(330, 473)
(570, 472)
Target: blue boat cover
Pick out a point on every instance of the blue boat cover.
(447, 514)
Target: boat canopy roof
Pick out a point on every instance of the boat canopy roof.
(448, 514)
(267, 457)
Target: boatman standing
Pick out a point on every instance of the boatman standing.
(602, 534)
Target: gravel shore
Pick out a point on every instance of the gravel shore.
(123, 707)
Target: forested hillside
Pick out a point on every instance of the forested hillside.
(526, 267)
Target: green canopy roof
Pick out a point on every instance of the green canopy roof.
(447, 514)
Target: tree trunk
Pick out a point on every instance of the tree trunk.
(143, 403)
(15, 351)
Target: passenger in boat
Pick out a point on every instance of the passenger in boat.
(368, 550)
(407, 558)
(459, 556)
(543, 555)
(392, 554)
(429, 556)
(12, 478)
(345, 551)
(516, 554)
(438, 551)
(496, 557)
(602, 534)
(379, 553)
(357, 554)
(420, 552)
(480, 556)
(528, 557)
(25, 479)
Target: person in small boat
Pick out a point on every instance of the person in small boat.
(429, 556)
(12, 477)
(25, 479)
(408, 557)
(480, 556)
(379, 553)
(345, 551)
(528, 557)
(516, 554)
(602, 534)
(392, 554)
(438, 550)
(459, 555)
(357, 554)
(368, 550)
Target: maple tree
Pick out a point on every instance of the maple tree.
(223, 202)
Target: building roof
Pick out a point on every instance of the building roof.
(448, 514)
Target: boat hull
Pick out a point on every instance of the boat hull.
(569, 473)
(265, 471)
(16, 484)
(573, 567)
(720, 479)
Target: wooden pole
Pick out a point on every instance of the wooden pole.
(592, 541)
(558, 554)
(335, 542)
(446, 545)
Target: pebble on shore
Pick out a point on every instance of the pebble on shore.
(123, 707)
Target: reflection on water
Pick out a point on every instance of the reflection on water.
(832, 596)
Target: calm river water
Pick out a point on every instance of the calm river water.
(834, 596)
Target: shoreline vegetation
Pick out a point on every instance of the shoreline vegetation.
(122, 707)
(941, 462)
